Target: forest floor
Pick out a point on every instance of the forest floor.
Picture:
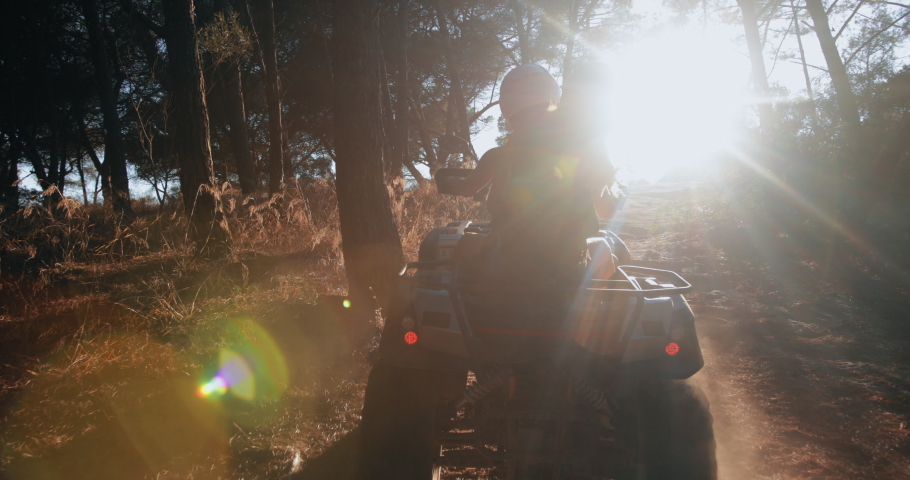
(807, 361)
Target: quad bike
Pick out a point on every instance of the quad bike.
(515, 381)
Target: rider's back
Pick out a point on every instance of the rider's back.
(542, 212)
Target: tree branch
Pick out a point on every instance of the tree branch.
(89, 147)
(779, 46)
(764, 38)
(867, 17)
(873, 37)
(883, 2)
(414, 172)
(477, 115)
(35, 159)
(809, 65)
(847, 22)
(141, 18)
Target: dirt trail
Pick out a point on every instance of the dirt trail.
(807, 377)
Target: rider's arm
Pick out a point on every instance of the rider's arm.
(605, 204)
(596, 171)
(479, 177)
(598, 175)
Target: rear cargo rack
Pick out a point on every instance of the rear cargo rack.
(636, 279)
(637, 282)
(645, 279)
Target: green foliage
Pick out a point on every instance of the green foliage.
(226, 39)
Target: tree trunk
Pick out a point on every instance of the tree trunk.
(45, 174)
(278, 149)
(239, 136)
(891, 156)
(230, 87)
(418, 177)
(147, 42)
(425, 140)
(81, 168)
(400, 140)
(208, 228)
(570, 38)
(524, 47)
(114, 151)
(370, 241)
(854, 213)
(759, 74)
(100, 167)
(453, 68)
(802, 54)
(54, 159)
(451, 129)
(846, 101)
(802, 58)
(875, 182)
(9, 178)
(388, 119)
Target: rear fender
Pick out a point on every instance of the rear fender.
(664, 344)
(436, 348)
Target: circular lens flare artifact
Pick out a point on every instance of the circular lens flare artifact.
(251, 370)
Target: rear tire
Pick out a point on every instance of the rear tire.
(677, 433)
(403, 410)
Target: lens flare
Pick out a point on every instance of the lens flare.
(238, 373)
(215, 388)
(251, 370)
(346, 303)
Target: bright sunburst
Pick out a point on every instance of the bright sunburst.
(676, 98)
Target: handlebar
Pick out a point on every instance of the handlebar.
(444, 174)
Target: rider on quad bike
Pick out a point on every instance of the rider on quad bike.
(538, 350)
(553, 161)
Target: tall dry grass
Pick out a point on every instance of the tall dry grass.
(301, 218)
(421, 210)
(105, 327)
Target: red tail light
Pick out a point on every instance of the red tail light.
(410, 338)
(672, 348)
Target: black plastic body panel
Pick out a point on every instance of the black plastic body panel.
(670, 367)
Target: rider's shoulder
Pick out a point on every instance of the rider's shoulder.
(496, 154)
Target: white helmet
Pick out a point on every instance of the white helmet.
(527, 86)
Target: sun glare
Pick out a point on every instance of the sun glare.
(675, 101)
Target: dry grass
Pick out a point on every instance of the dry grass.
(106, 331)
